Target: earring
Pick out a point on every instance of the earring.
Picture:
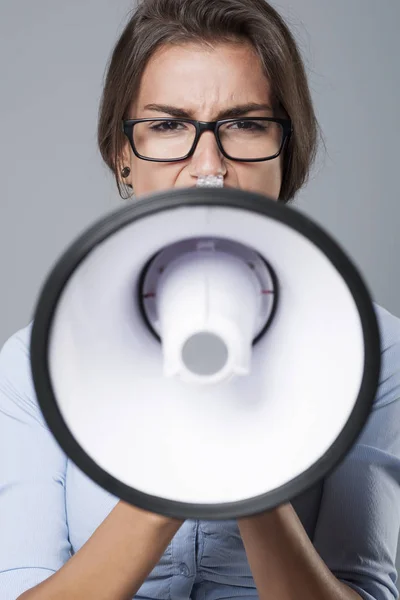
(125, 172)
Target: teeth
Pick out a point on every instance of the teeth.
(211, 181)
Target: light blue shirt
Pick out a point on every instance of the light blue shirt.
(49, 509)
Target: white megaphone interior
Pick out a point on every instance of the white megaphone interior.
(191, 300)
(232, 441)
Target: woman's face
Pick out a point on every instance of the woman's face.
(205, 84)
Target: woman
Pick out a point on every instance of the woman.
(64, 537)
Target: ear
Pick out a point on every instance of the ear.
(125, 161)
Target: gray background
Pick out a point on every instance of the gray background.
(53, 184)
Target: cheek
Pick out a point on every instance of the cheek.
(263, 178)
(274, 178)
(148, 177)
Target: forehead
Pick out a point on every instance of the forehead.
(202, 79)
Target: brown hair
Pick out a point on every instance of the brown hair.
(157, 22)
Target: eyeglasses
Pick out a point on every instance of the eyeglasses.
(168, 139)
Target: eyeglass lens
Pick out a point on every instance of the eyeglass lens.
(239, 139)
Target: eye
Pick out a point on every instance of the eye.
(167, 126)
(250, 125)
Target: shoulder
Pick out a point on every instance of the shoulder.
(16, 384)
(389, 326)
(14, 355)
(389, 385)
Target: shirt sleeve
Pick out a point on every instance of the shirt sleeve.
(33, 529)
(358, 525)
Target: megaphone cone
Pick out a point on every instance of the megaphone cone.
(205, 353)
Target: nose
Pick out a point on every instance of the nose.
(207, 158)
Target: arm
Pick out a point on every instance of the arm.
(114, 562)
(34, 534)
(283, 561)
(358, 525)
(35, 553)
(357, 532)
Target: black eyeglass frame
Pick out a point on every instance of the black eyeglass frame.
(201, 126)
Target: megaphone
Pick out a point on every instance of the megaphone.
(205, 353)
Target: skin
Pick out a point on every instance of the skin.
(206, 81)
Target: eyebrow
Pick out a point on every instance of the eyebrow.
(235, 111)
